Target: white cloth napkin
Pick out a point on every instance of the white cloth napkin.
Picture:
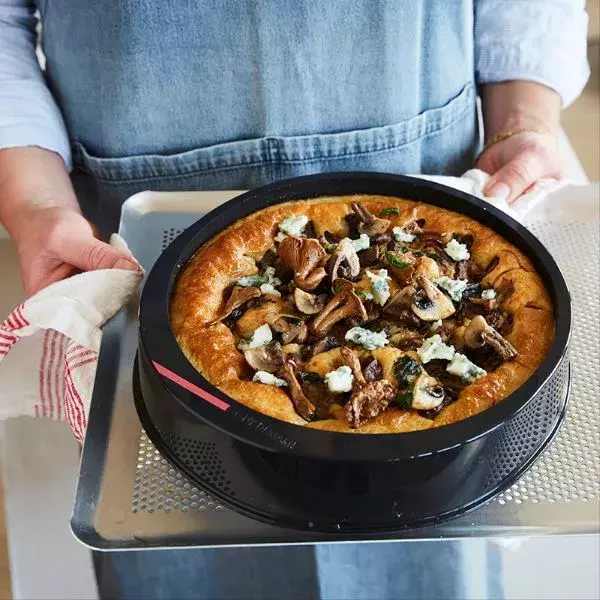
(474, 182)
(49, 344)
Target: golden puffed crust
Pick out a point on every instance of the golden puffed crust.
(199, 291)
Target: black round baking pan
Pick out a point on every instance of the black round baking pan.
(328, 481)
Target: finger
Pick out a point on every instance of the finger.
(516, 176)
(89, 254)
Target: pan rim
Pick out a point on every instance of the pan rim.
(158, 343)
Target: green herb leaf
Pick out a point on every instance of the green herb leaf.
(405, 370)
(396, 261)
(390, 210)
(404, 399)
(337, 286)
(312, 377)
(375, 327)
(417, 254)
(361, 294)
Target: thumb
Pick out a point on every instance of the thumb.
(90, 254)
(515, 177)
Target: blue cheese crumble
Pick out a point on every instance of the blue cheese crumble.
(380, 286)
(258, 280)
(454, 287)
(457, 251)
(401, 236)
(268, 379)
(435, 325)
(433, 348)
(370, 340)
(293, 225)
(362, 243)
(489, 294)
(260, 337)
(460, 365)
(340, 380)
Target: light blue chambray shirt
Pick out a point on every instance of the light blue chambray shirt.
(116, 76)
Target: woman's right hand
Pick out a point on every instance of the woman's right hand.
(56, 242)
(39, 208)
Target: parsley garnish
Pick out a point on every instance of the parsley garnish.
(405, 399)
(337, 286)
(390, 210)
(396, 261)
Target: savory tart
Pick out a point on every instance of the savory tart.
(364, 314)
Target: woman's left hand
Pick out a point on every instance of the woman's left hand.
(517, 162)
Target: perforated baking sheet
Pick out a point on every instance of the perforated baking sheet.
(130, 497)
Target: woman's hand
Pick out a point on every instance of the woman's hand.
(40, 211)
(532, 112)
(55, 243)
(518, 162)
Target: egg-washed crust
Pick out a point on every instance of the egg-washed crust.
(198, 299)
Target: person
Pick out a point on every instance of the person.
(219, 94)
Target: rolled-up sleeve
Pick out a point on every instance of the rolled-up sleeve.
(29, 115)
(537, 40)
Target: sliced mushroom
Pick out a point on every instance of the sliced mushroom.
(432, 304)
(290, 332)
(239, 296)
(307, 303)
(373, 371)
(478, 333)
(369, 223)
(304, 407)
(344, 304)
(304, 257)
(351, 359)
(427, 266)
(412, 224)
(405, 339)
(369, 401)
(325, 344)
(427, 393)
(343, 255)
(267, 358)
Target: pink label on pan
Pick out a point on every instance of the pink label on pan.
(190, 387)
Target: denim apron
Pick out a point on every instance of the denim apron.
(232, 94)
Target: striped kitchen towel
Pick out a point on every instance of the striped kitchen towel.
(49, 345)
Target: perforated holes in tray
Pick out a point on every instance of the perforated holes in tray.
(168, 236)
(160, 487)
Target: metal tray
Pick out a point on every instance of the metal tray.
(129, 497)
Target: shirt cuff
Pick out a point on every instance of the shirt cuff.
(29, 117)
(538, 43)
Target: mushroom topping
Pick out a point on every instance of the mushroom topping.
(307, 303)
(478, 332)
(268, 358)
(427, 393)
(344, 304)
(325, 344)
(432, 304)
(373, 370)
(351, 359)
(369, 223)
(239, 296)
(344, 261)
(303, 256)
(304, 407)
(368, 401)
(297, 331)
